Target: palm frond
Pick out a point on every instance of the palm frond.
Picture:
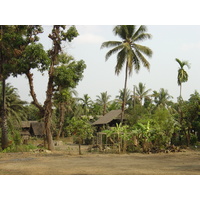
(110, 44)
(121, 31)
(141, 37)
(136, 62)
(144, 49)
(112, 51)
(130, 57)
(121, 57)
(183, 63)
(139, 31)
(131, 30)
(143, 59)
(182, 76)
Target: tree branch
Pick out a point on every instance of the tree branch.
(32, 92)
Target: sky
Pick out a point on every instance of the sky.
(168, 42)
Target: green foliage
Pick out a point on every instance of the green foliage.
(80, 128)
(15, 107)
(19, 50)
(193, 139)
(19, 148)
(16, 138)
(69, 73)
(33, 113)
(15, 143)
(33, 56)
(70, 34)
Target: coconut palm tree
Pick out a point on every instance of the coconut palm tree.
(161, 98)
(86, 102)
(141, 91)
(15, 107)
(182, 74)
(130, 53)
(103, 100)
(121, 95)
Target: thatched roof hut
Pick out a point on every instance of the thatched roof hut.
(32, 128)
(26, 124)
(111, 117)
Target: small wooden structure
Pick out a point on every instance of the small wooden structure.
(104, 143)
(32, 129)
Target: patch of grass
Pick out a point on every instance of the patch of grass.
(19, 148)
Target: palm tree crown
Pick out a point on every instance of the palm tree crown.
(129, 51)
(103, 100)
(141, 91)
(182, 74)
(161, 98)
(86, 103)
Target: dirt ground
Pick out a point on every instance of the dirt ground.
(66, 161)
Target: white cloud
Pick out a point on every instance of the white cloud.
(89, 39)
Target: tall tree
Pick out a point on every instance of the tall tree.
(13, 41)
(129, 51)
(182, 74)
(58, 35)
(67, 76)
(181, 78)
(103, 100)
(141, 92)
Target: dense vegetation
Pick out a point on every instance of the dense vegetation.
(151, 121)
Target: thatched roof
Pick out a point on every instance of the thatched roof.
(113, 114)
(34, 128)
(37, 128)
(27, 124)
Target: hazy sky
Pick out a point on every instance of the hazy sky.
(168, 42)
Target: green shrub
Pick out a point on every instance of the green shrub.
(19, 148)
(193, 139)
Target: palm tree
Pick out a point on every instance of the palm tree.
(129, 52)
(181, 78)
(86, 103)
(162, 97)
(141, 91)
(182, 74)
(103, 100)
(15, 107)
(122, 96)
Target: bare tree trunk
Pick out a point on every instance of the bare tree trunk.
(79, 146)
(48, 110)
(124, 146)
(181, 91)
(124, 97)
(33, 94)
(4, 138)
(104, 109)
